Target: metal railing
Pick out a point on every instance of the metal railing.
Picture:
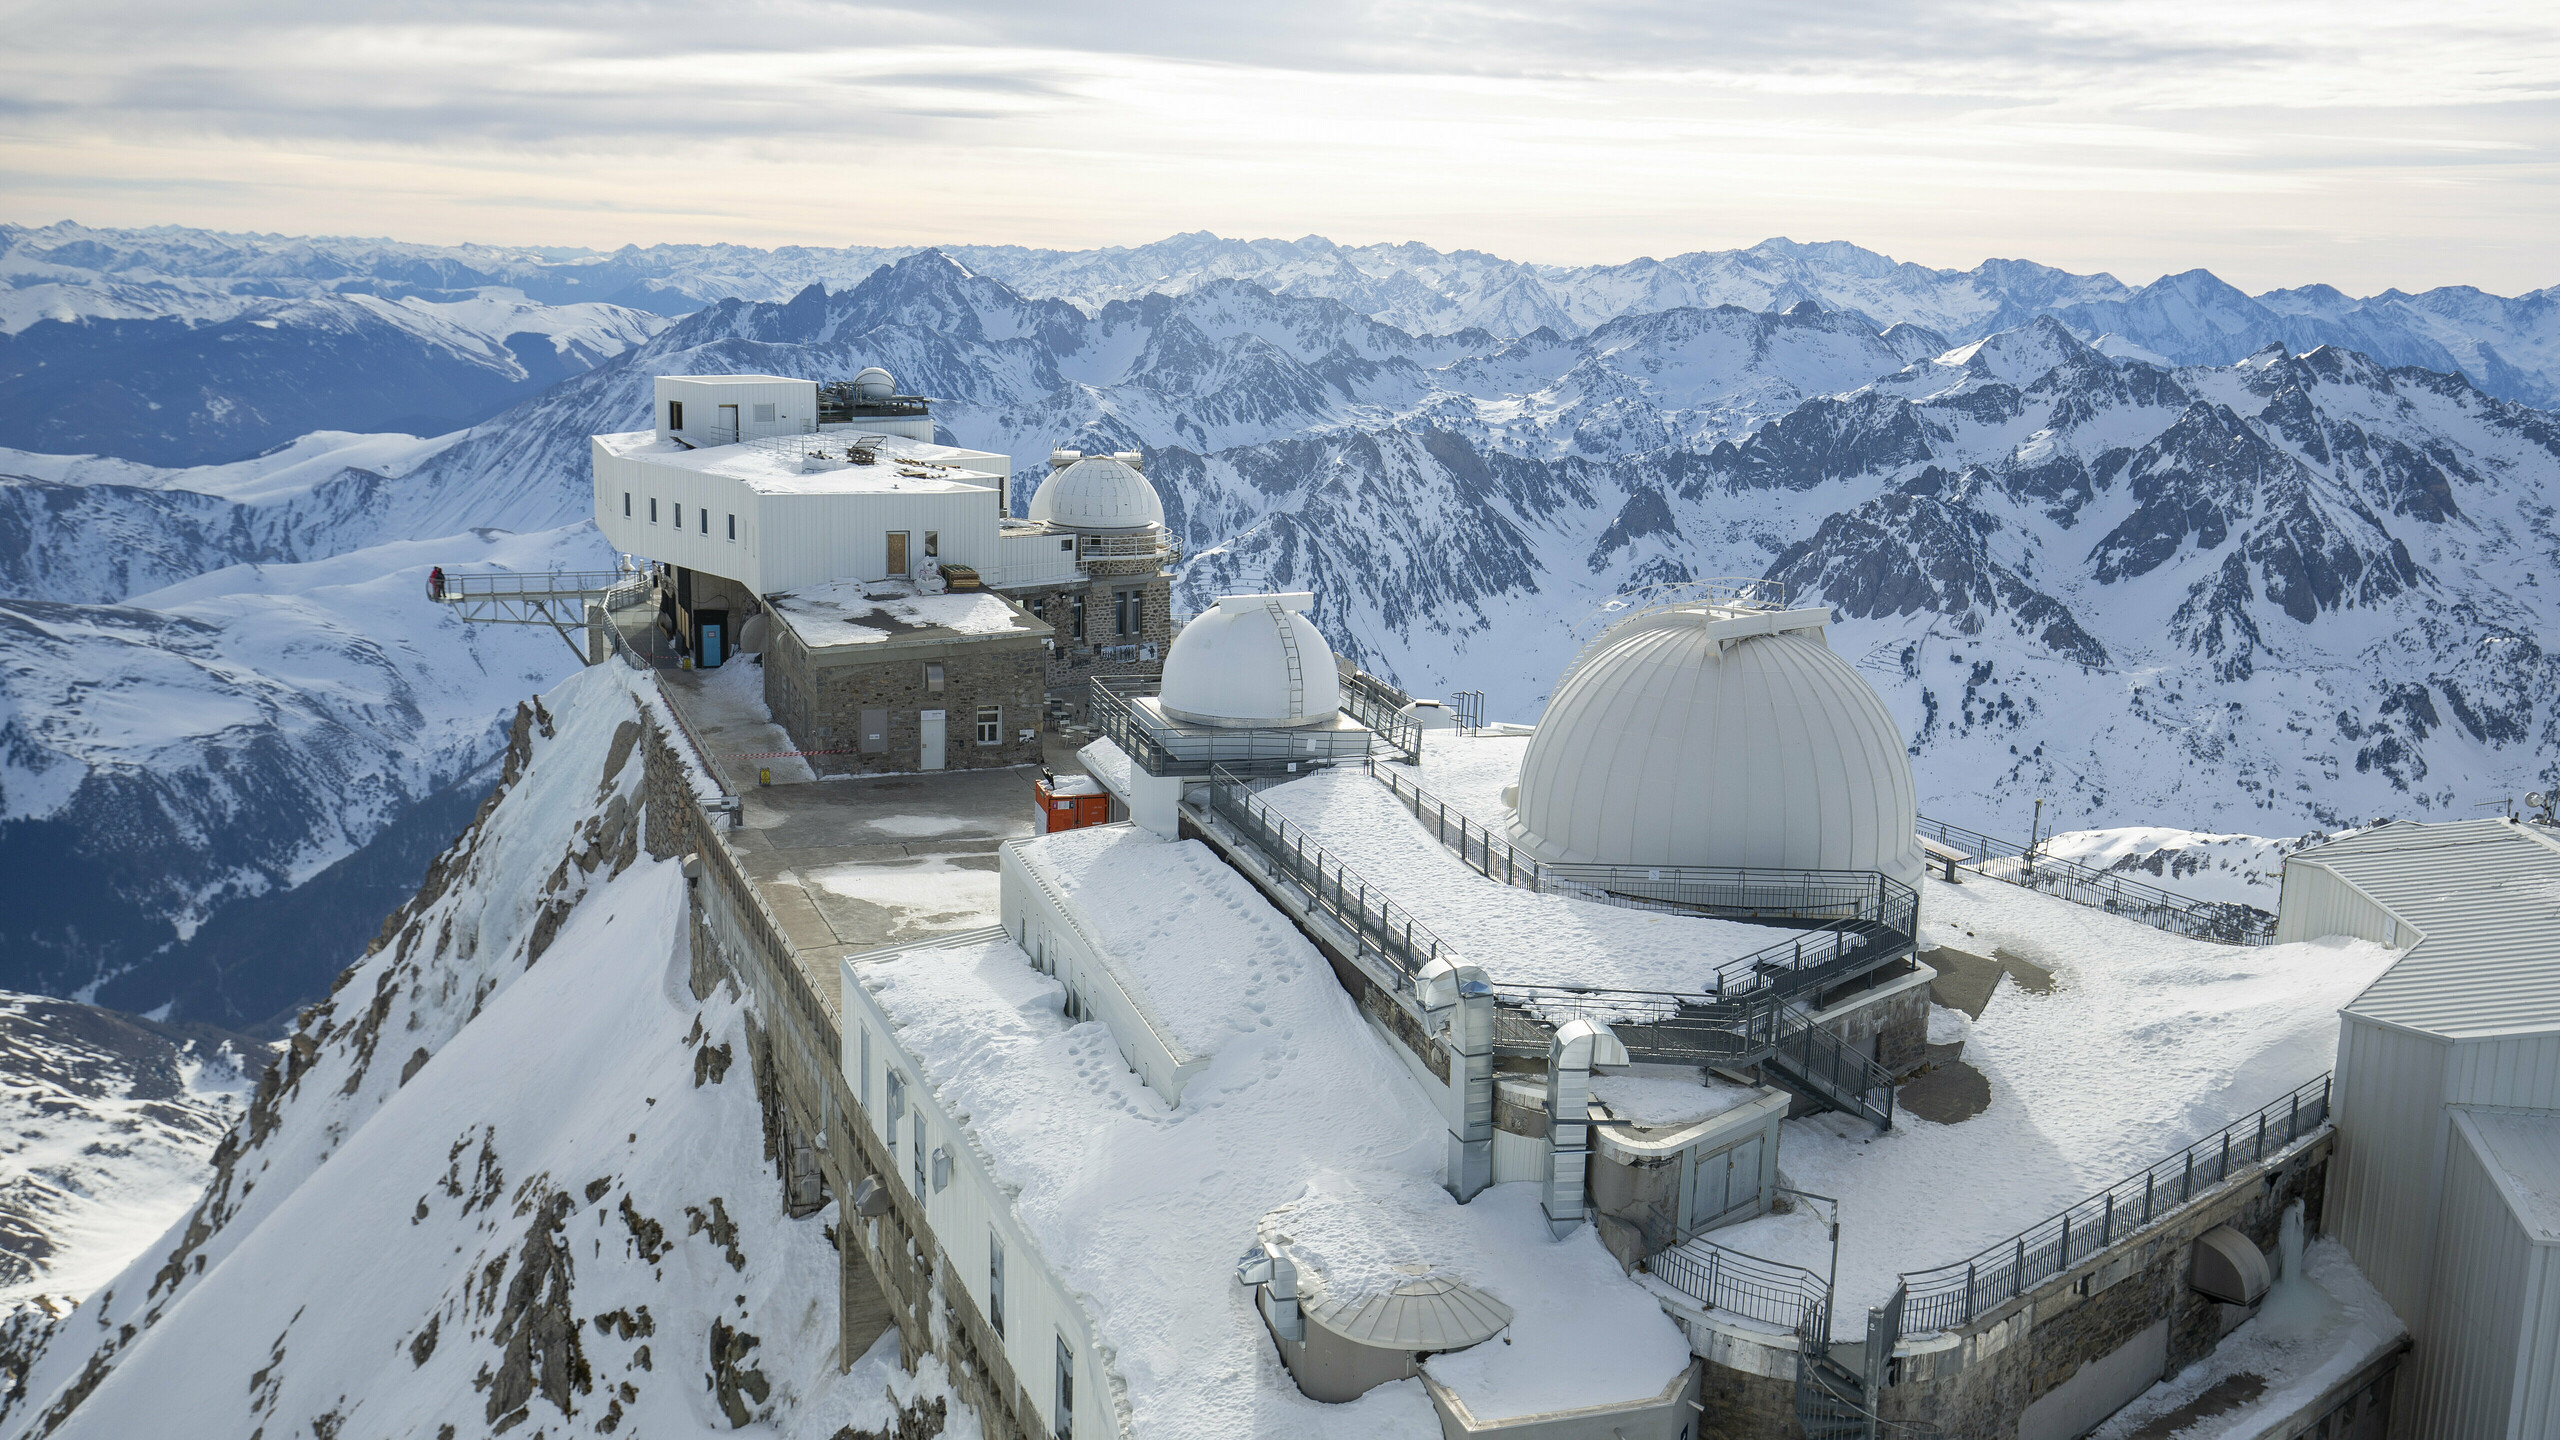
(1155, 543)
(1380, 706)
(1953, 1295)
(1770, 1291)
(2024, 866)
(592, 584)
(1379, 926)
(1111, 711)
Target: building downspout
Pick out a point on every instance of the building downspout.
(1457, 1004)
(1579, 1045)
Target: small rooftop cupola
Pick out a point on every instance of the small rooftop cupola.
(1097, 493)
(1251, 662)
(1713, 734)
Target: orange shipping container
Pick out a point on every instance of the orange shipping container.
(1071, 802)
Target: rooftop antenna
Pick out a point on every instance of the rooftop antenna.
(2506, 807)
(2540, 804)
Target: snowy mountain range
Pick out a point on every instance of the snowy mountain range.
(177, 346)
(2295, 589)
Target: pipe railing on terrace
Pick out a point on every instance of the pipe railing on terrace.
(1953, 1295)
(1378, 925)
(2025, 866)
(1380, 706)
(1866, 911)
(1109, 708)
(1770, 1291)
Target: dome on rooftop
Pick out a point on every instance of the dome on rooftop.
(1710, 736)
(1252, 662)
(1097, 493)
(874, 384)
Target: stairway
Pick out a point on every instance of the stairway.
(1830, 1398)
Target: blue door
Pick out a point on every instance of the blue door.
(710, 646)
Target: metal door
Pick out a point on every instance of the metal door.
(709, 655)
(728, 425)
(929, 740)
(897, 552)
(875, 732)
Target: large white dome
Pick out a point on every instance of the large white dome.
(1254, 661)
(1700, 737)
(1097, 493)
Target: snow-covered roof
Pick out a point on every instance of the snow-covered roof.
(1699, 736)
(901, 466)
(1141, 1209)
(2522, 1153)
(2485, 895)
(856, 612)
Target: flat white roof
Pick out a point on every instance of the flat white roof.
(2485, 894)
(904, 466)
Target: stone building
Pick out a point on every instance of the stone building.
(1101, 577)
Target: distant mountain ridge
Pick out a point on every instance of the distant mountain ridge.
(101, 328)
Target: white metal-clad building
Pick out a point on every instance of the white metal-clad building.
(784, 513)
(1713, 735)
(2496, 1306)
(2468, 1018)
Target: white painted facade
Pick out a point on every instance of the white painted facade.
(758, 519)
(709, 410)
(1098, 985)
(967, 1211)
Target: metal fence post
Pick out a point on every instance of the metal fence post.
(2226, 1157)
(2066, 1241)
(2187, 1181)
(2293, 1117)
(2146, 1197)
(2262, 1135)
(1968, 1292)
(2107, 1225)
(2018, 1275)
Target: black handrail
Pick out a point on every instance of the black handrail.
(1952, 1295)
(2027, 867)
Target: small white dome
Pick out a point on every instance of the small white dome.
(1706, 738)
(1097, 493)
(874, 384)
(1253, 662)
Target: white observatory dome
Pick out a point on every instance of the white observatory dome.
(1253, 662)
(874, 384)
(1097, 493)
(1699, 737)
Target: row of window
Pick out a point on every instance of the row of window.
(940, 1177)
(679, 508)
(729, 420)
(1128, 612)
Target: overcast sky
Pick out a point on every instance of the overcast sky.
(2274, 142)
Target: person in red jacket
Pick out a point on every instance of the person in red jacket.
(435, 583)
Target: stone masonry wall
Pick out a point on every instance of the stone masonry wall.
(891, 1263)
(820, 705)
(2016, 1354)
(1071, 662)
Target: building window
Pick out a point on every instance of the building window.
(653, 509)
(933, 677)
(995, 1283)
(733, 527)
(990, 725)
(897, 1111)
(1067, 544)
(679, 514)
(764, 414)
(706, 520)
(675, 414)
(933, 544)
(1064, 1424)
(866, 1069)
(1040, 607)
(919, 1155)
(1127, 605)
(626, 504)
(1075, 614)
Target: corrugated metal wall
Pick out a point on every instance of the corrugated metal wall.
(2389, 1095)
(2316, 903)
(2516, 1072)
(813, 539)
(794, 402)
(1038, 559)
(699, 495)
(2461, 1384)
(965, 1213)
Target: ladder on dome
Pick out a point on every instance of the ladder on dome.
(1289, 649)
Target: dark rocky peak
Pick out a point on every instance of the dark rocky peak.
(1828, 438)
(930, 291)
(2199, 480)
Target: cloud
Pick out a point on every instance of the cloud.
(2108, 135)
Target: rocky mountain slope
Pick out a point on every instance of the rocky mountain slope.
(111, 1122)
(511, 1173)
